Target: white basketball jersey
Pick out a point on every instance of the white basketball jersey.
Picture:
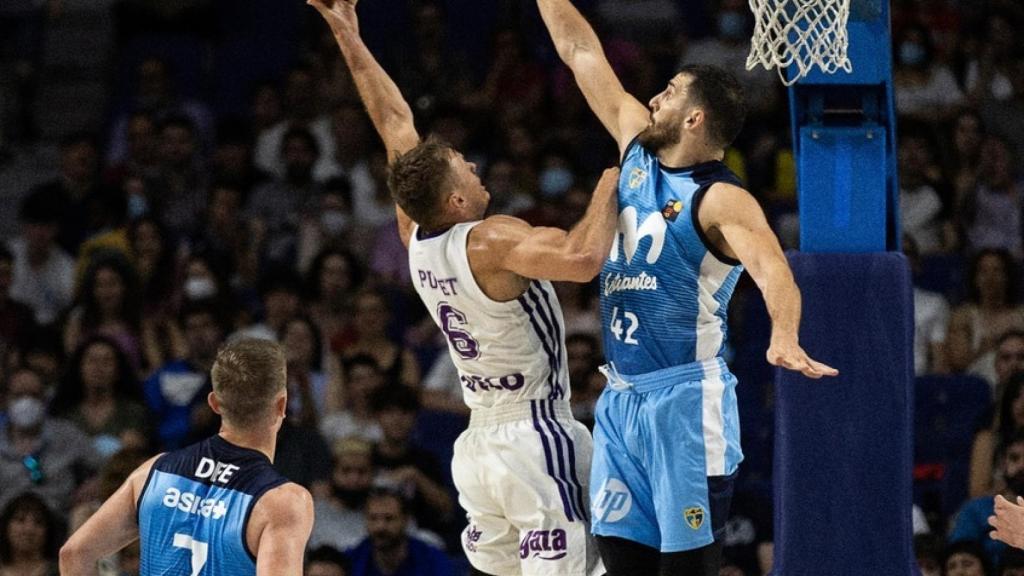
(505, 351)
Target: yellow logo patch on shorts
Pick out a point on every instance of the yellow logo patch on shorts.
(694, 517)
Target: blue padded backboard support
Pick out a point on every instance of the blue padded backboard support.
(845, 143)
(843, 450)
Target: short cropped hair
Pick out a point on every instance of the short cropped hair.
(247, 375)
(420, 179)
(721, 96)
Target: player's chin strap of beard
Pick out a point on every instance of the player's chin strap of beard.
(615, 380)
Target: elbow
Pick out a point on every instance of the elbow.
(70, 556)
(571, 51)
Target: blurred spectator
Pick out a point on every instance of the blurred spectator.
(303, 456)
(991, 212)
(920, 200)
(44, 275)
(1009, 359)
(371, 318)
(279, 205)
(226, 236)
(988, 73)
(991, 309)
(307, 376)
(38, 452)
(29, 537)
(965, 558)
(728, 48)
(16, 319)
(302, 113)
(326, 561)
(514, 85)
(925, 89)
(154, 263)
(353, 141)
(993, 436)
(433, 75)
(1006, 117)
(266, 109)
(176, 393)
(42, 351)
(331, 224)
(334, 278)
(928, 549)
(972, 520)
(108, 304)
(968, 134)
(931, 319)
(412, 471)
(77, 193)
(281, 295)
(389, 550)
(233, 161)
(155, 93)
(177, 196)
(142, 152)
(579, 307)
(340, 520)
(100, 395)
(583, 354)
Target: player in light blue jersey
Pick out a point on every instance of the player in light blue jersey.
(666, 441)
(216, 508)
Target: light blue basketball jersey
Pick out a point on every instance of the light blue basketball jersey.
(195, 506)
(664, 290)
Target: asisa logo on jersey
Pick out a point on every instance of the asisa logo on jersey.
(544, 544)
(193, 504)
(694, 517)
(631, 232)
(672, 210)
(636, 178)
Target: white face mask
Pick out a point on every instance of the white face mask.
(26, 412)
(199, 288)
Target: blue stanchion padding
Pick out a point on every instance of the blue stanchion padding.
(842, 189)
(843, 449)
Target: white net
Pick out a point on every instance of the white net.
(806, 33)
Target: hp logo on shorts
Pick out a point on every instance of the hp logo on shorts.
(613, 502)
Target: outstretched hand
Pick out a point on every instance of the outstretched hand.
(1008, 522)
(339, 14)
(792, 357)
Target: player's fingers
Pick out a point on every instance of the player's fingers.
(823, 369)
(995, 535)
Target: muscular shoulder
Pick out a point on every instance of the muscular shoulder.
(287, 504)
(726, 202)
(496, 234)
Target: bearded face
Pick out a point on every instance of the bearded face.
(663, 132)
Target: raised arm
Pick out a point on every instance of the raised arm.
(731, 215)
(577, 44)
(388, 110)
(510, 244)
(111, 528)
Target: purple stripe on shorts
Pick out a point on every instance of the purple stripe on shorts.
(566, 503)
(547, 413)
(559, 341)
(580, 504)
(551, 331)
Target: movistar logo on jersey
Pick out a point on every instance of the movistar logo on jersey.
(631, 232)
(618, 283)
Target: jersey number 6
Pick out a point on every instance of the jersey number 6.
(452, 322)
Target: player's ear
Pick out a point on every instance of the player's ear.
(281, 404)
(214, 403)
(694, 118)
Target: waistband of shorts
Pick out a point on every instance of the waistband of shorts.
(640, 383)
(518, 411)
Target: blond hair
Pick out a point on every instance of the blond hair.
(247, 375)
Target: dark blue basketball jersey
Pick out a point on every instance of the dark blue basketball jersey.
(664, 289)
(195, 506)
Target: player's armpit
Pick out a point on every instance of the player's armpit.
(507, 243)
(111, 528)
(286, 512)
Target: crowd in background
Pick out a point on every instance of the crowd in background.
(238, 189)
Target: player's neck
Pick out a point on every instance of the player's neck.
(264, 441)
(688, 153)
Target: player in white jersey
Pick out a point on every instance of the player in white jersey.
(522, 466)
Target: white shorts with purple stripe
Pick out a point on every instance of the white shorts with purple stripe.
(522, 471)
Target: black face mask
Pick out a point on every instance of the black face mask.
(352, 499)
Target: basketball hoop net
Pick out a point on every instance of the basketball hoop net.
(804, 33)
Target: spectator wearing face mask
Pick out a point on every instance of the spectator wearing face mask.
(925, 89)
(47, 455)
